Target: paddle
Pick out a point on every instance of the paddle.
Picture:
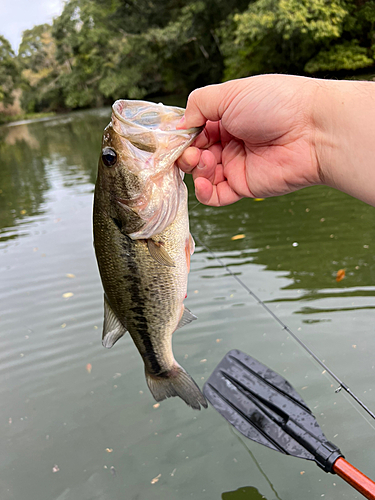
(264, 407)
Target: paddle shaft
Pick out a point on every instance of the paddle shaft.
(355, 478)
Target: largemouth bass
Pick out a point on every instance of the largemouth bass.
(142, 240)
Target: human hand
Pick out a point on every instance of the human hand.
(259, 138)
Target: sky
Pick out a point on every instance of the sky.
(19, 15)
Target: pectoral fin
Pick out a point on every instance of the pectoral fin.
(189, 250)
(113, 329)
(191, 244)
(159, 254)
(186, 318)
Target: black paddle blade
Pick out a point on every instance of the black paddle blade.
(264, 407)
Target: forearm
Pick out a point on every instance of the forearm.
(345, 136)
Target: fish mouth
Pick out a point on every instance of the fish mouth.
(151, 144)
(151, 117)
(192, 130)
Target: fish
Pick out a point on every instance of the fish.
(142, 241)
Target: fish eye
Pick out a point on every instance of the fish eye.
(109, 157)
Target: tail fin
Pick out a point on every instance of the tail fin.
(176, 382)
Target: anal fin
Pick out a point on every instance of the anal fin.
(159, 254)
(113, 329)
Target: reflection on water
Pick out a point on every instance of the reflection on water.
(27, 153)
(245, 493)
(65, 430)
(240, 440)
(308, 234)
(20, 133)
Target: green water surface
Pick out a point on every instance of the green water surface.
(71, 434)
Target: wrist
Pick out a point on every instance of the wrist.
(344, 117)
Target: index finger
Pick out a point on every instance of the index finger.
(213, 133)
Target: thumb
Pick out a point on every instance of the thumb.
(206, 103)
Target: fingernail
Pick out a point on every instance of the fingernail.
(181, 123)
(201, 166)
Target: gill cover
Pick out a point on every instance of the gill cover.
(153, 145)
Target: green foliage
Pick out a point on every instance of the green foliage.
(299, 36)
(83, 34)
(101, 50)
(188, 45)
(346, 56)
(137, 48)
(131, 69)
(40, 70)
(9, 72)
(279, 35)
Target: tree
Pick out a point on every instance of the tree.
(101, 50)
(355, 49)
(299, 36)
(84, 35)
(138, 48)
(8, 72)
(40, 70)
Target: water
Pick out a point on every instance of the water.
(68, 433)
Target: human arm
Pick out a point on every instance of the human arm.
(273, 134)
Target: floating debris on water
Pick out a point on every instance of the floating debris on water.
(156, 479)
(340, 275)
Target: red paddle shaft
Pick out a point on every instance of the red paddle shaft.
(355, 478)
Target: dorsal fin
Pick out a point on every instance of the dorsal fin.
(113, 329)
